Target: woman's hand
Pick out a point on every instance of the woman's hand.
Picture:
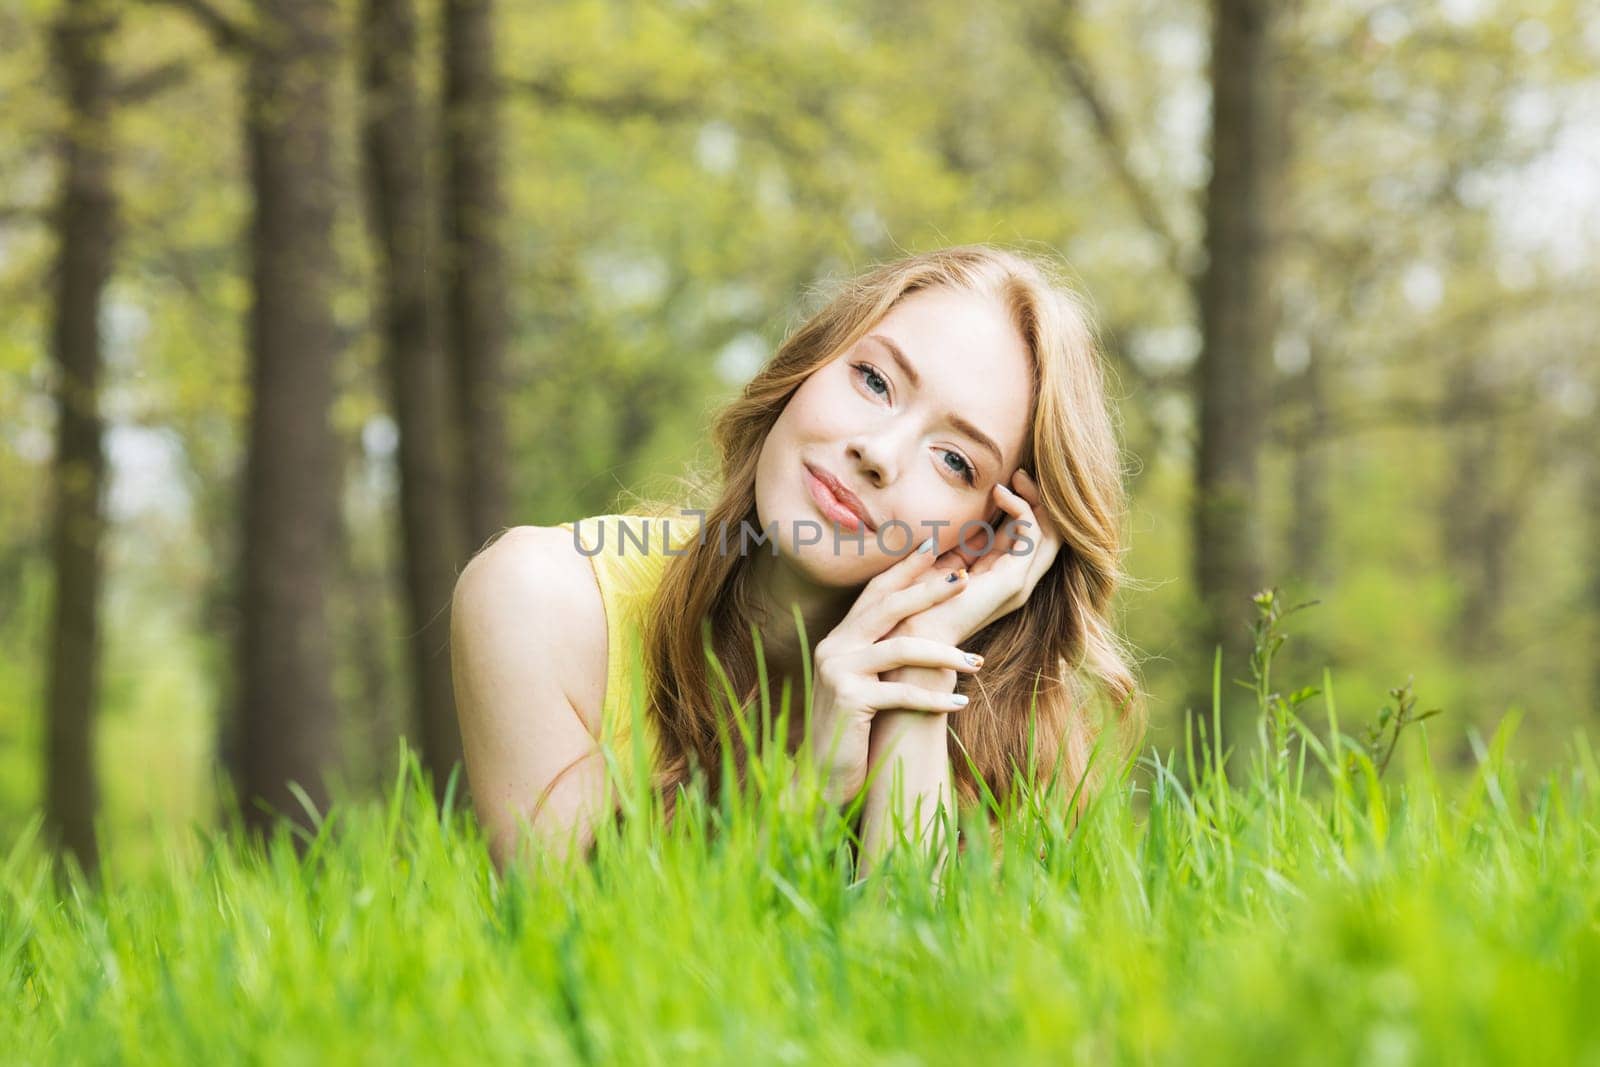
(847, 663)
(1000, 581)
(915, 744)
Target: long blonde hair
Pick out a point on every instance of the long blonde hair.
(1060, 648)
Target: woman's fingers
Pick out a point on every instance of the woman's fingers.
(903, 571)
(898, 575)
(1027, 520)
(1046, 543)
(1006, 535)
(886, 613)
(1013, 503)
(1011, 531)
(906, 651)
(1027, 488)
(903, 696)
(1019, 523)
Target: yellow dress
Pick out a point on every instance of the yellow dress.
(629, 554)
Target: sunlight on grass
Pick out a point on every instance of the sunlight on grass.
(1309, 909)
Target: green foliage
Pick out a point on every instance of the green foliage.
(1384, 734)
(1177, 921)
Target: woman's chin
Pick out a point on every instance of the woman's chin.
(809, 546)
(839, 568)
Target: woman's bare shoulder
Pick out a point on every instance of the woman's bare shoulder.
(532, 582)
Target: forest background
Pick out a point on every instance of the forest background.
(270, 270)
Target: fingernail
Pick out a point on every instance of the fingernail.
(953, 576)
(974, 659)
(958, 699)
(962, 572)
(927, 546)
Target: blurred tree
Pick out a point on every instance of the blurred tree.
(433, 525)
(85, 222)
(1233, 369)
(1227, 283)
(1483, 505)
(285, 705)
(1310, 507)
(1294, 362)
(1409, 315)
(284, 731)
(369, 614)
(474, 261)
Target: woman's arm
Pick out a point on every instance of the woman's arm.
(527, 628)
(1001, 581)
(914, 746)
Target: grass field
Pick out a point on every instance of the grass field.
(1312, 910)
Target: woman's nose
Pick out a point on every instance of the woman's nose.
(873, 457)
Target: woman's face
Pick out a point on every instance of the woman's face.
(919, 420)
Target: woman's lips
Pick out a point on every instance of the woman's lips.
(830, 505)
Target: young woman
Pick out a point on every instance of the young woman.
(952, 400)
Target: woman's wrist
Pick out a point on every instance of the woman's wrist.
(931, 631)
(913, 781)
(938, 679)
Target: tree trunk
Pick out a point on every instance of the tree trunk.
(85, 225)
(287, 725)
(433, 526)
(368, 619)
(1308, 529)
(1291, 311)
(1474, 535)
(1232, 367)
(475, 284)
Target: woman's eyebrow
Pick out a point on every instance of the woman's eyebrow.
(961, 424)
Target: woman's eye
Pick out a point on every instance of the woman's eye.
(961, 466)
(873, 379)
(879, 386)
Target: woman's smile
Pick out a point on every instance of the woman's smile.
(837, 505)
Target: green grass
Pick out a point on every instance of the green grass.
(1312, 910)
